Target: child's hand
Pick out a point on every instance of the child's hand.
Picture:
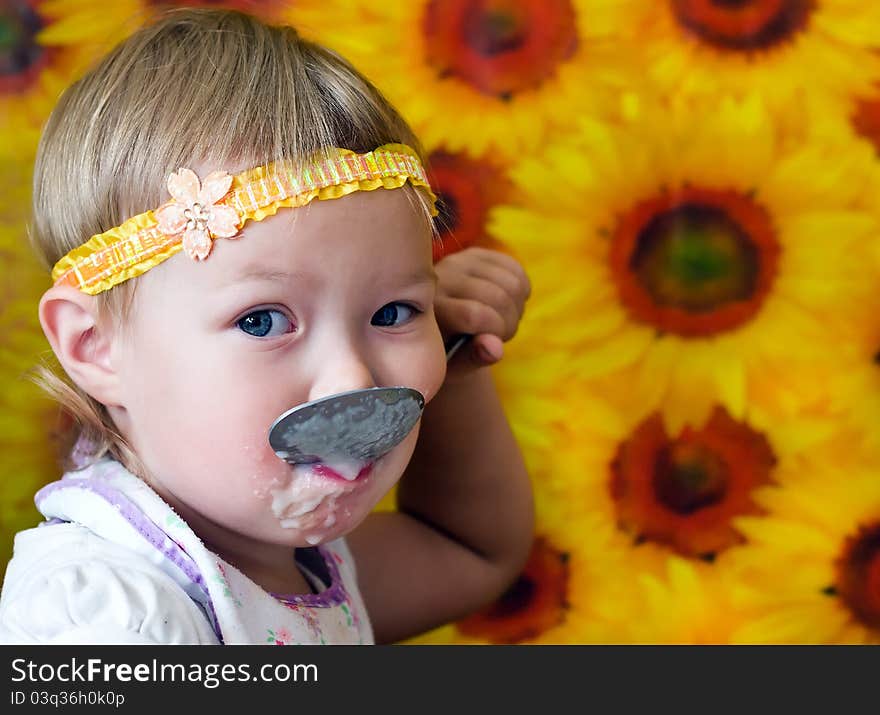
(482, 293)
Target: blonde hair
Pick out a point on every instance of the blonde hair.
(196, 86)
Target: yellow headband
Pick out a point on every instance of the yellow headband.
(219, 205)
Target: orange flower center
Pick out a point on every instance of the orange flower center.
(688, 477)
(866, 120)
(532, 605)
(21, 58)
(743, 25)
(858, 575)
(697, 263)
(500, 47)
(466, 190)
(684, 491)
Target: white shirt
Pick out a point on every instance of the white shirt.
(114, 563)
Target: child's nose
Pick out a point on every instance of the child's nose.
(346, 369)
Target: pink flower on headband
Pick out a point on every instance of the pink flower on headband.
(193, 211)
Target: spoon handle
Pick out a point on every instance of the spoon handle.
(454, 343)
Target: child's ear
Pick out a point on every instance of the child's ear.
(80, 341)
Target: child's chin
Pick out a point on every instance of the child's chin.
(322, 526)
(340, 512)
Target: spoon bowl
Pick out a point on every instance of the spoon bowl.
(360, 425)
(354, 426)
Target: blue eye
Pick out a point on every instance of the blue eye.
(265, 323)
(393, 314)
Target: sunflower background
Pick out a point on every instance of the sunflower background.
(694, 188)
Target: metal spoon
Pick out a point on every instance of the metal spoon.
(359, 425)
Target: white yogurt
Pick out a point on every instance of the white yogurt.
(309, 500)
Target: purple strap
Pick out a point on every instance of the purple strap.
(144, 526)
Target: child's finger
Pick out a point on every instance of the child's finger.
(462, 315)
(494, 296)
(513, 283)
(486, 349)
(452, 278)
(504, 262)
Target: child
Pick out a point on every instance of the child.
(292, 261)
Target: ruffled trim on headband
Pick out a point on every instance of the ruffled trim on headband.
(252, 193)
(137, 245)
(110, 258)
(335, 192)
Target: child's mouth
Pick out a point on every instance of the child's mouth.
(342, 471)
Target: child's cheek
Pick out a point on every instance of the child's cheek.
(434, 379)
(266, 471)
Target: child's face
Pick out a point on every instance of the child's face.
(310, 302)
